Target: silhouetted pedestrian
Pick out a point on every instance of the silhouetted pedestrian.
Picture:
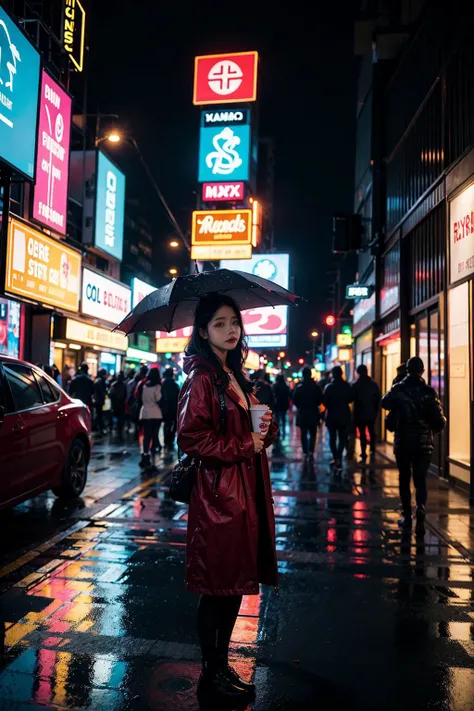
(281, 398)
(151, 416)
(100, 394)
(170, 392)
(118, 399)
(402, 373)
(366, 394)
(82, 386)
(416, 415)
(307, 398)
(337, 398)
(263, 390)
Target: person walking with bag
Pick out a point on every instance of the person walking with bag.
(230, 546)
(416, 414)
(151, 416)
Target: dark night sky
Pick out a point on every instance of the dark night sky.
(141, 67)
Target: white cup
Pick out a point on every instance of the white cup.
(256, 412)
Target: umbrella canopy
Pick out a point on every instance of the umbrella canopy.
(172, 306)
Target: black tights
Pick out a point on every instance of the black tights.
(217, 615)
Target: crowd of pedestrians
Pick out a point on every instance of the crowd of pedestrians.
(135, 403)
(139, 402)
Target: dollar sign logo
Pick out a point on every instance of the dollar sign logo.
(225, 159)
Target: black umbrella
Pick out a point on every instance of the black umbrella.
(172, 306)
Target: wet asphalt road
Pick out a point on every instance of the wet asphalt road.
(96, 616)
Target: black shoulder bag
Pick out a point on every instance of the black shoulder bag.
(186, 470)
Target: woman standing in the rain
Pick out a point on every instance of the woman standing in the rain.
(231, 527)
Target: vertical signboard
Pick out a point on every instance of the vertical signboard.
(19, 87)
(266, 327)
(52, 161)
(74, 30)
(225, 78)
(109, 207)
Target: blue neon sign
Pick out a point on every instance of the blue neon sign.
(19, 96)
(109, 207)
(224, 153)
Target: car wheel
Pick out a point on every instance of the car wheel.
(75, 472)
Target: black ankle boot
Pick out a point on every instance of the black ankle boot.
(215, 681)
(235, 679)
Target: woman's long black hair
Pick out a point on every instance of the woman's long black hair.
(206, 308)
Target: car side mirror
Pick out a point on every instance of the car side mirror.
(2, 414)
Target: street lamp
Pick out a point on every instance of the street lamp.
(174, 244)
(114, 137)
(173, 271)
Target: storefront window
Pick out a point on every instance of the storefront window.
(459, 376)
(10, 328)
(108, 362)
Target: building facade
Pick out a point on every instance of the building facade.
(418, 187)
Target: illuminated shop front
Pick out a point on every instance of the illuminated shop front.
(75, 342)
(460, 326)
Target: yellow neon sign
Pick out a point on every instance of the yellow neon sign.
(74, 15)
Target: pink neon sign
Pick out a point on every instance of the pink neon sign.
(52, 162)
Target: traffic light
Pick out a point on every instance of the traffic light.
(330, 320)
(301, 361)
(281, 354)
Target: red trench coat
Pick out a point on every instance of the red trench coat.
(231, 526)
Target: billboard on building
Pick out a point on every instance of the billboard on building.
(19, 94)
(225, 78)
(224, 153)
(104, 298)
(266, 327)
(109, 207)
(41, 268)
(52, 160)
(221, 232)
(140, 289)
(461, 235)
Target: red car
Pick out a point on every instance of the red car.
(44, 435)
